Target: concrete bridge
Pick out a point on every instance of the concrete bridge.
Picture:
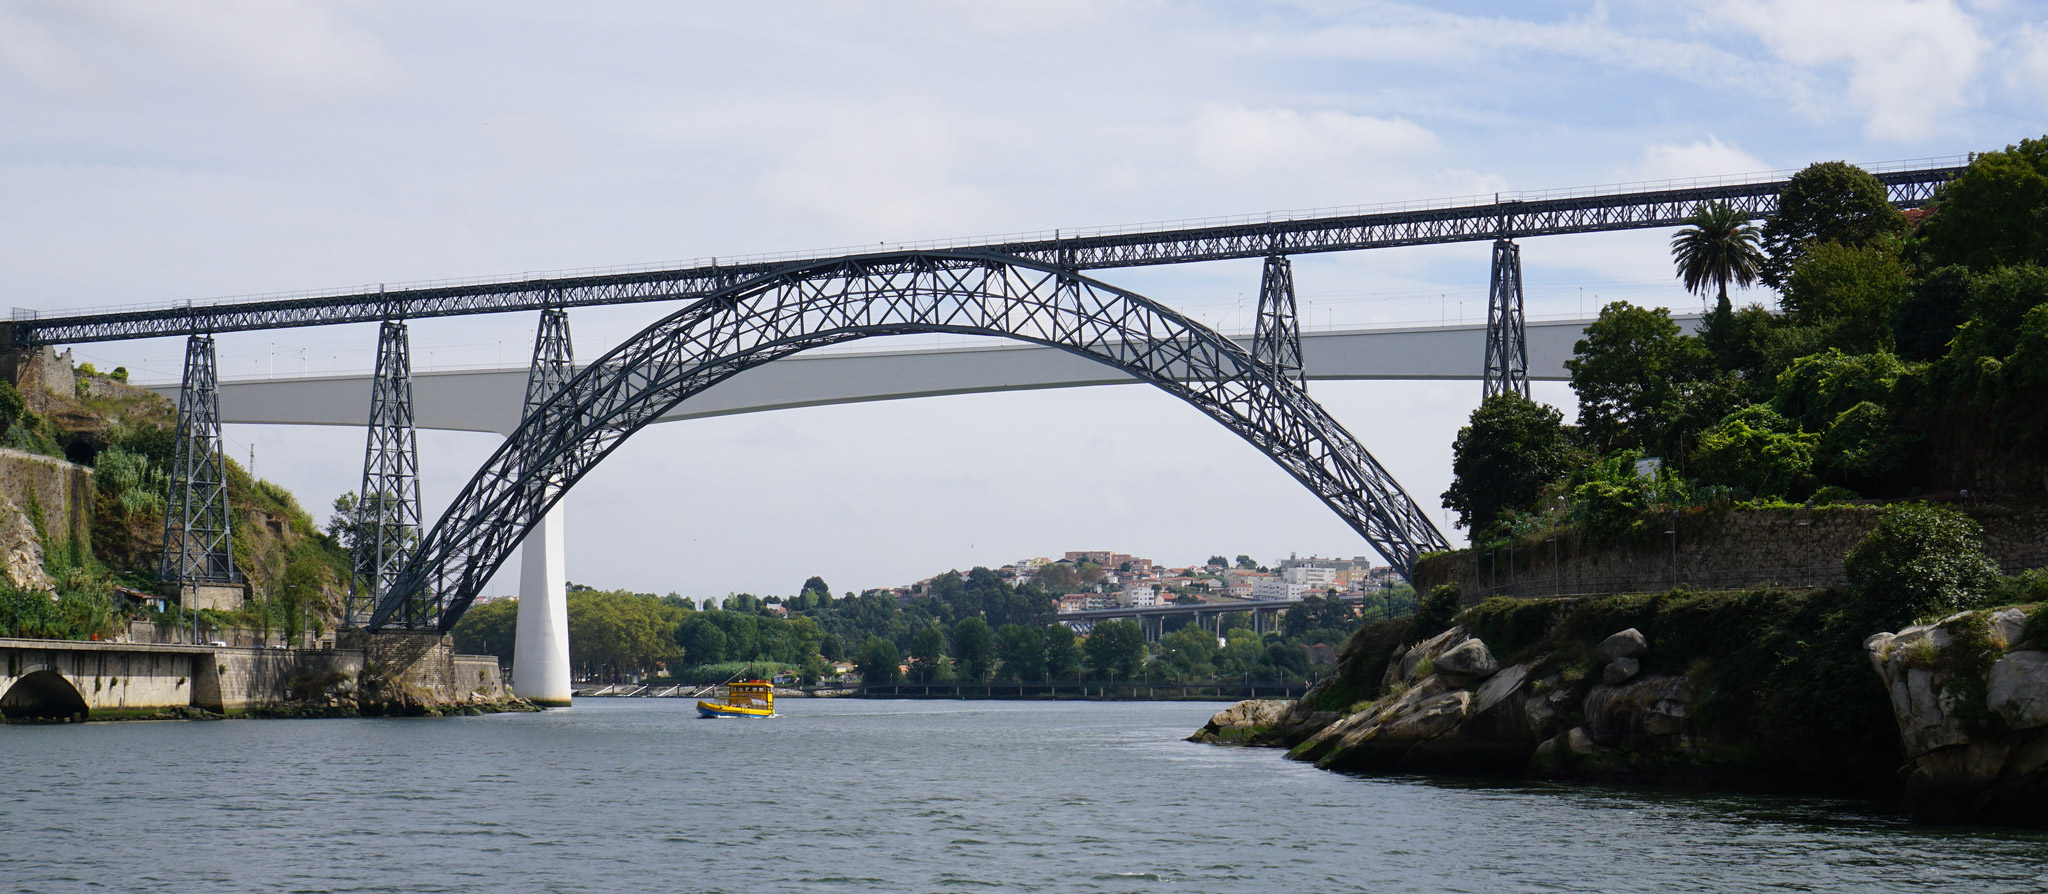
(491, 400)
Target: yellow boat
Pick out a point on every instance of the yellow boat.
(747, 698)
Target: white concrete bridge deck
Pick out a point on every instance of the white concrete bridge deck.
(488, 400)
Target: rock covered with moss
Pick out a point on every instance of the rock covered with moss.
(1970, 695)
(1262, 721)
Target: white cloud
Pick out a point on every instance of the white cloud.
(1701, 158)
(884, 171)
(1236, 138)
(281, 49)
(1905, 64)
(40, 52)
(2028, 74)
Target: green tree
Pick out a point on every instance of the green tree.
(1862, 448)
(11, 406)
(1995, 213)
(1022, 649)
(878, 662)
(1925, 322)
(1058, 578)
(974, 649)
(1190, 652)
(1828, 201)
(612, 633)
(927, 649)
(701, 640)
(1245, 562)
(1920, 560)
(490, 628)
(1852, 292)
(1219, 562)
(1062, 651)
(1817, 388)
(1116, 649)
(816, 584)
(1717, 246)
(1630, 363)
(1501, 460)
(1758, 450)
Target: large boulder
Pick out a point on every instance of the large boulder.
(1407, 669)
(1966, 759)
(1243, 723)
(1631, 714)
(1466, 663)
(1629, 643)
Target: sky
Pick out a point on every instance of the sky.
(204, 149)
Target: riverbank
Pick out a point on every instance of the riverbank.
(1768, 691)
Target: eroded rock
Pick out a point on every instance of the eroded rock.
(1629, 643)
(1466, 663)
(1620, 670)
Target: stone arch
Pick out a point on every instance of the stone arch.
(814, 304)
(43, 694)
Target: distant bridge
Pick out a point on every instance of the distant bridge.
(491, 400)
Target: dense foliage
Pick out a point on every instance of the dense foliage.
(1906, 360)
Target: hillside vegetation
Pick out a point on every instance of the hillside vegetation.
(297, 573)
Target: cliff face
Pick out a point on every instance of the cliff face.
(1971, 698)
(1742, 690)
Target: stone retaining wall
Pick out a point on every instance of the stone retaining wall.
(1736, 549)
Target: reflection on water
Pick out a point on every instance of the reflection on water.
(838, 795)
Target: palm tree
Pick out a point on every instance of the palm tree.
(1717, 247)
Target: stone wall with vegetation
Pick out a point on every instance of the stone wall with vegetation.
(1715, 549)
(46, 507)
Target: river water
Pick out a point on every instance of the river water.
(843, 795)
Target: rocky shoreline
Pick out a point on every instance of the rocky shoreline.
(1969, 698)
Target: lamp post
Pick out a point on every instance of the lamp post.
(1673, 531)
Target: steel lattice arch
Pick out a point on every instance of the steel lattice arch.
(829, 302)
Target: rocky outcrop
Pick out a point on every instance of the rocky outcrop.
(21, 550)
(1263, 722)
(1449, 706)
(1970, 695)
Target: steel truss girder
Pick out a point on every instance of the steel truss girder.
(823, 303)
(387, 522)
(197, 521)
(1276, 340)
(1507, 340)
(1513, 219)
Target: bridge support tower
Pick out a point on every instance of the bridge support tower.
(1507, 342)
(1276, 342)
(387, 526)
(540, 655)
(198, 564)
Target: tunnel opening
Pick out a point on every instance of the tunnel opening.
(42, 696)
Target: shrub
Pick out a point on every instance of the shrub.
(1862, 446)
(1758, 450)
(1434, 615)
(1919, 560)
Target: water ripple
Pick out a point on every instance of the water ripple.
(890, 796)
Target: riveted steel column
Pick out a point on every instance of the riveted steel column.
(196, 517)
(387, 524)
(1507, 342)
(1277, 340)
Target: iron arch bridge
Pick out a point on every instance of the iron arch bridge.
(820, 303)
